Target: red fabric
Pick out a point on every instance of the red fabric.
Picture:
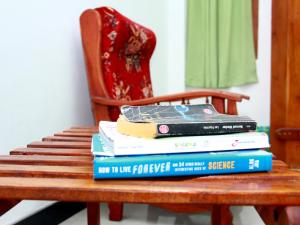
(126, 50)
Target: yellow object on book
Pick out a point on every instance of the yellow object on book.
(146, 130)
(179, 120)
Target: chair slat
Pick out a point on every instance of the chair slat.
(51, 151)
(59, 144)
(46, 171)
(63, 138)
(231, 107)
(219, 104)
(74, 134)
(46, 160)
(85, 130)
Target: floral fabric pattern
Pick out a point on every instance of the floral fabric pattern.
(126, 49)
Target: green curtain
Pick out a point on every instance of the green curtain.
(220, 48)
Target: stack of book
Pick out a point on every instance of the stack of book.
(180, 140)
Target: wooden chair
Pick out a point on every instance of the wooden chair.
(117, 53)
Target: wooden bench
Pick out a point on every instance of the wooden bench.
(60, 168)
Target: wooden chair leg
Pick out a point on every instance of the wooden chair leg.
(290, 215)
(115, 211)
(267, 214)
(93, 213)
(6, 205)
(221, 215)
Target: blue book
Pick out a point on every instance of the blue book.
(184, 164)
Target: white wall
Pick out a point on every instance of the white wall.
(43, 88)
(258, 107)
(175, 61)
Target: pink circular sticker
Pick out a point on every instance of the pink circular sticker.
(207, 111)
(234, 144)
(163, 129)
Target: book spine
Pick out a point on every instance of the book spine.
(181, 164)
(203, 128)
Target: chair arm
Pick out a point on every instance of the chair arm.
(172, 97)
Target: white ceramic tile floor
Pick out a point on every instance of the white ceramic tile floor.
(139, 214)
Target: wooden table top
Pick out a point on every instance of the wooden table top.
(60, 168)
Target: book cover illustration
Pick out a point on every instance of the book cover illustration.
(202, 113)
(184, 120)
(130, 145)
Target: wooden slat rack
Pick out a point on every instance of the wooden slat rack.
(60, 168)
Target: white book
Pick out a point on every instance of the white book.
(129, 145)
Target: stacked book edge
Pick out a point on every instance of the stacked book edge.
(118, 155)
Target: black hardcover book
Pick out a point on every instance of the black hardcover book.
(178, 120)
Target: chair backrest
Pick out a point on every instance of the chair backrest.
(117, 54)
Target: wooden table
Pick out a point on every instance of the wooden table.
(60, 168)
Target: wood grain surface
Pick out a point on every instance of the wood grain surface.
(62, 170)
